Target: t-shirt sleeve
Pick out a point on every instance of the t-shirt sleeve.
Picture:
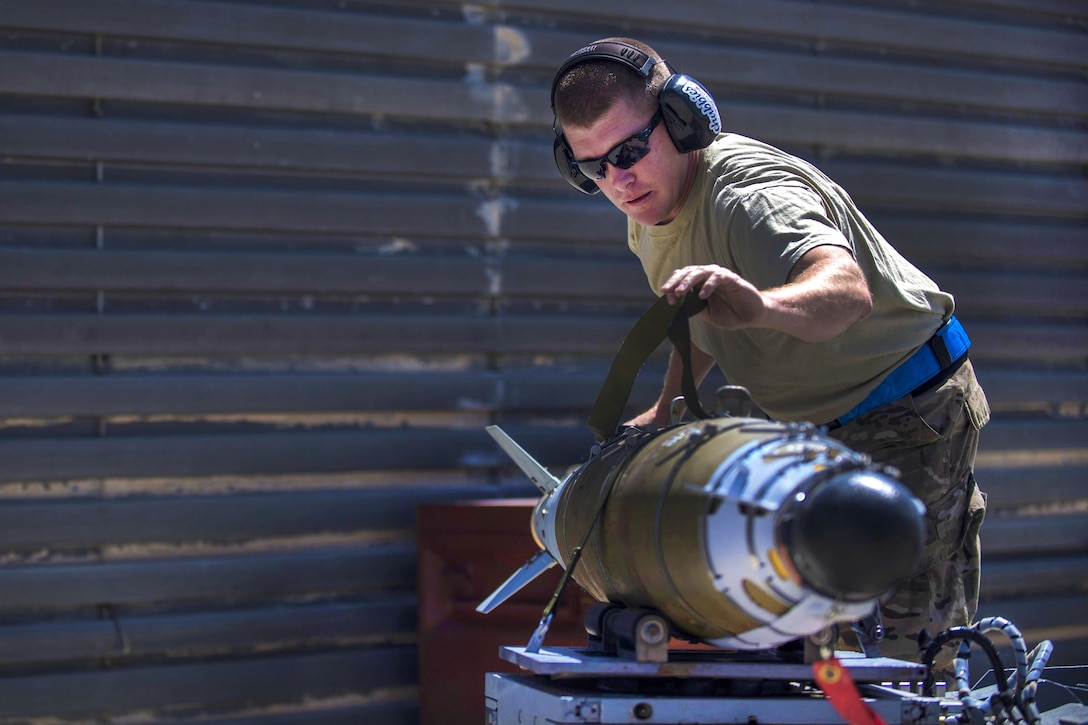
(772, 227)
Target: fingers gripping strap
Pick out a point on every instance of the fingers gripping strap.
(657, 323)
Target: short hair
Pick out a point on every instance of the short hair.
(586, 91)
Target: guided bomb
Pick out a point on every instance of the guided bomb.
(743, 533)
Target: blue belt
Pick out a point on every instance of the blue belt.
(941, 352)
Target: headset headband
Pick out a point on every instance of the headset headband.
(628, 55)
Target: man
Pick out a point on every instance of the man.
(807, 305)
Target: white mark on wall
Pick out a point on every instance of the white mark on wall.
(474, 14)
(511, 45)
(398, 245)
(475, 74)
(491, 211)
(494, 280)
(509, 106)
(501, 161)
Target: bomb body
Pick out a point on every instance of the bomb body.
(743, 533)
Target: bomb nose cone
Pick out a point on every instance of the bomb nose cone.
(855, 535)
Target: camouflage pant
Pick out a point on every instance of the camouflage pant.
(931, 439)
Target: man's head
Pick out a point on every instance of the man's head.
(616, 102)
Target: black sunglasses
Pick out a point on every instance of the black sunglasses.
(623, 155)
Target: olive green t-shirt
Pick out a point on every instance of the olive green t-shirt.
(756, 210)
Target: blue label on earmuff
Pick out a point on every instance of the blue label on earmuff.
(702, 100)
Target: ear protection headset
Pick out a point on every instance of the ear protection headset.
(690, 114)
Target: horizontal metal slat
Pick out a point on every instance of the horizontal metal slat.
(156, 81)
(873, 186)
(881, 190)
(215, 685)
(909, 86)
(1041, 434)
(319, 273)
(175, 394)
(880, 133)
(1015, 244)
(357, 571)
(214, 271)
(1009, 487)
(338, 450)
(396, 712)
(313, 29)
(81, 523)
(365, 33)
(248, 334)
(415, 333)
(1027, 344)
(1038, 614)
(1071, 9)
(224, 453)
(330, 451)
(276, 150)
(841, 25)
(1054, 387)
(992, 192)
(543, 389)
(308, 334)
(120, 394)
(1017, 293)
(1059, 618)
(199, 634)
(1034, 535)
(406, 276)
(187, 207)
(179, 394)
(1034, 576)
(1019, 243)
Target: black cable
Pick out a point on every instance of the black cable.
(962, 633)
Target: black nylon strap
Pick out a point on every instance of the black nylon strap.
(680, 335)
(940, 349)
(661, 320)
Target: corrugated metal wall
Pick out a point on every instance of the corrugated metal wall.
(267, 269)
